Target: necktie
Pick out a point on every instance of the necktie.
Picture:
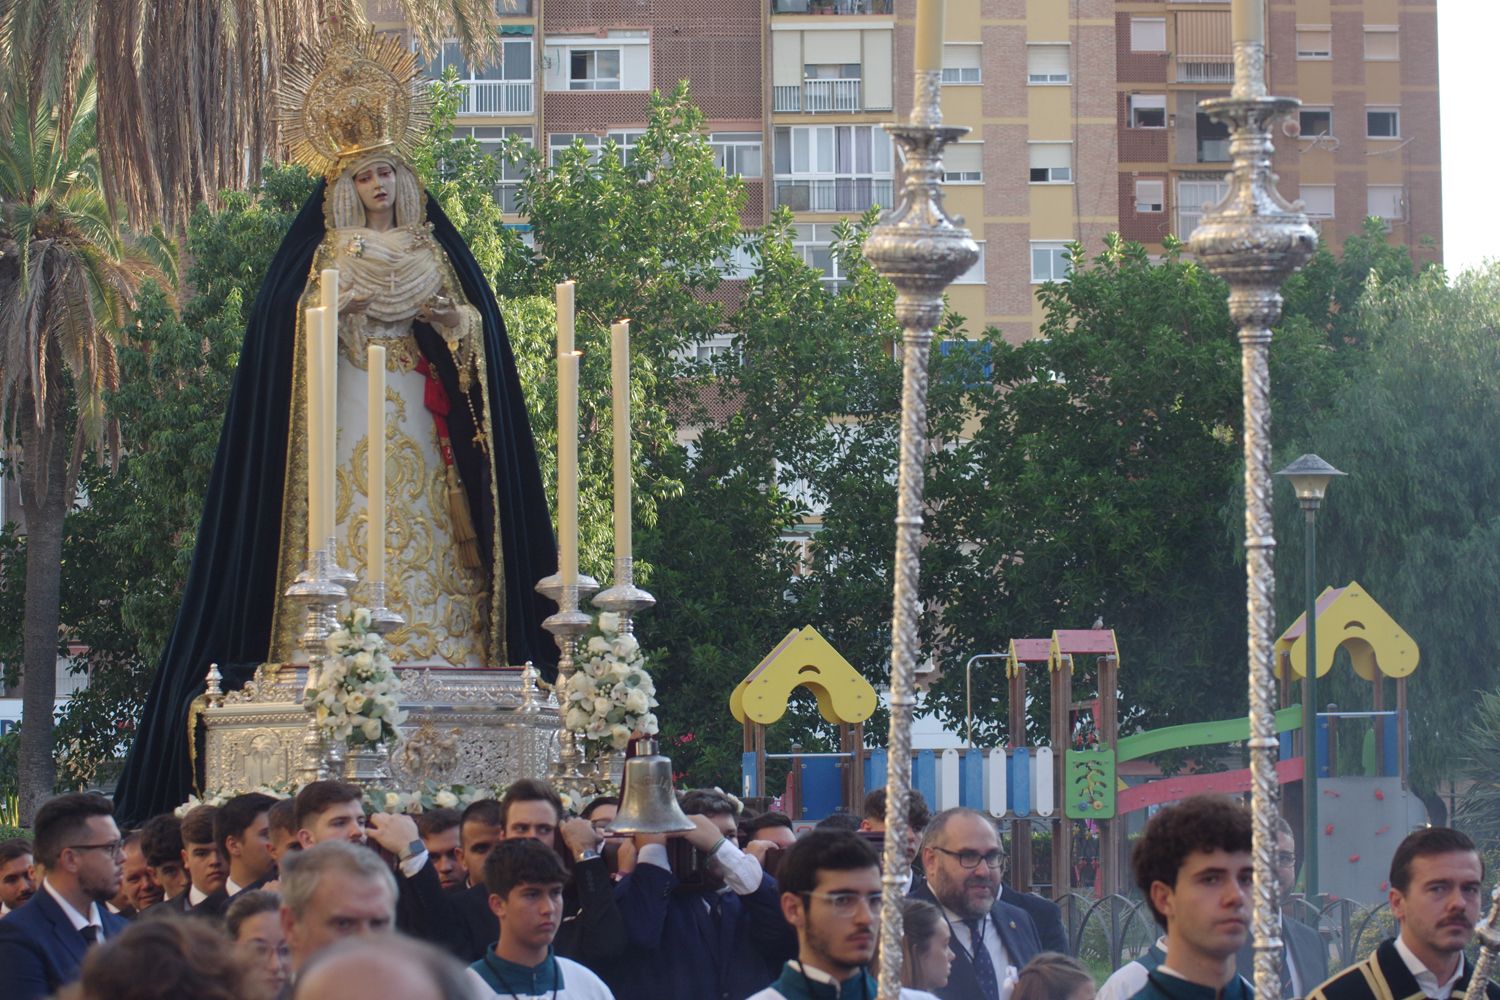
(1286, 972)
(90, 935)
(984, 968)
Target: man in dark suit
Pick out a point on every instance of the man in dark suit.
(42, 943)
(1304, 955)
(1046, 914)
(242, 829)
(991, 939)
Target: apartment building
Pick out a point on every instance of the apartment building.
(1084, 113)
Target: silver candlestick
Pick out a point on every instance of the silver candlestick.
(383, 620)
(920, 249)
(337, 573)
(566, 627)
(1254, 240)
(316, 590)
(624, 598)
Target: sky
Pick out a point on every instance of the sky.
(1467, 31)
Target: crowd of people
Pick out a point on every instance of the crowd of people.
(313, 899)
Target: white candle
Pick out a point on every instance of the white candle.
(929, 49)
(1249, 17)
(328, 289)
(312, 329)
(565, 318)
(330, 420)
(375, 529)
(619, 353)
(567, 467)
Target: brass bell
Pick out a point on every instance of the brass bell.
(647, 802)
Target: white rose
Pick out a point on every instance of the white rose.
(609, 621)
(602, 706)
(619, 736)
(649, 726)
(361, 619)
(625, 646)
(371, 729)
(636, 702)
(363, 661)
(598, 644)
(445, 799)
(392, 802)
(577, 719)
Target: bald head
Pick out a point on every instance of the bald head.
(358, 969)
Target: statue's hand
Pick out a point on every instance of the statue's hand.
(355, 306)
(439, 312)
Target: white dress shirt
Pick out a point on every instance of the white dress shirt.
(195, 896)
(78, 920)
(1425, 977)
(740, 871)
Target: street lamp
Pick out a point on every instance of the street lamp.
(1310, 476)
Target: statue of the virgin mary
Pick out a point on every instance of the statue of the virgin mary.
(469, 531)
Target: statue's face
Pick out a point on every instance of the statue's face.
(376, 186)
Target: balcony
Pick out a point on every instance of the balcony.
(497, 97)
(815, 96)
(1201, 69)
(831, 6)
(834, 194)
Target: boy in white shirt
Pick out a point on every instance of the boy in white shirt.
(525, 879)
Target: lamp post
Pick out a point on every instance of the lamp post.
(1310, 476)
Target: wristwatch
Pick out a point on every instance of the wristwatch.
(588, 853)
(412, 850)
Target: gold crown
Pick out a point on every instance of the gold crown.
(364, 93)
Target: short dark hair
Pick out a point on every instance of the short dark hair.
(486, 811)
(1424, 843)
(528, 790)
(63, 818)
(823, 850)
(1201, 823)
(249, 904)
(522, 861)
(765, 821)
(321, 796)
(161, 840)
(838, 821)
(161, 960)
(283, 815)
(236, 816)
(16, 847)
(431, 822)
(917, 813)
(198, 825)
(603, 800)
(708, 802)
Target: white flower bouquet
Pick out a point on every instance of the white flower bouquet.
(610, 696)
(357, 696)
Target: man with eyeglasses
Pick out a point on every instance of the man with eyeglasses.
(830, 892)
(43, 942)
(991, 939)
(1304, 955)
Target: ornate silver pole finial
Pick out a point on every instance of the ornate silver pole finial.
(920, 250)
(213, 694)
(624, 598)
(566, 627)
(1254, 240)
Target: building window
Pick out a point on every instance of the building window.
(1051, 162)
(1049, 262)
(491, 139)
(832, 168)
(1317, 200)
(1314, 41)
(975, 274)
(737, 153)
(1385, 201)
(1148, 110)
(963, 163)
(512, 7)
(1382, 43)
(814, 242)
(560, 142)
(1212, 139)
(594, 69)
(1150, 195)
(960, 64)
(1047, 65)
(1315, 122)
(625, 142)
(1382, 123)
(1193, 198)
(1148, 34)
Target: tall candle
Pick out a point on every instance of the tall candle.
(619, 353)
(312, 331)
(567, 467)
(375, 529)
(929, 53)
(330, 425)
(1249, 17)
(564, 318)
(328, 289)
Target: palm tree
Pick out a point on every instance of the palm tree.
(187, 88)
(67, 280)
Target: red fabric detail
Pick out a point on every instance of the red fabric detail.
(435, 398)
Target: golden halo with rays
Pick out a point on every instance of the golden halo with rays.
(362, 93)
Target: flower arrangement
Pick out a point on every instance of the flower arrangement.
(610, 696)
(357, 694)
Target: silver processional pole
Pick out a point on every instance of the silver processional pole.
(1254, 240)
(920, 250)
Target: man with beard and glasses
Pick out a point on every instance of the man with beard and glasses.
(991, 939)
(830, 892)
(42, 943)
(17, 874)
(1193, 866)
(1436, 875)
